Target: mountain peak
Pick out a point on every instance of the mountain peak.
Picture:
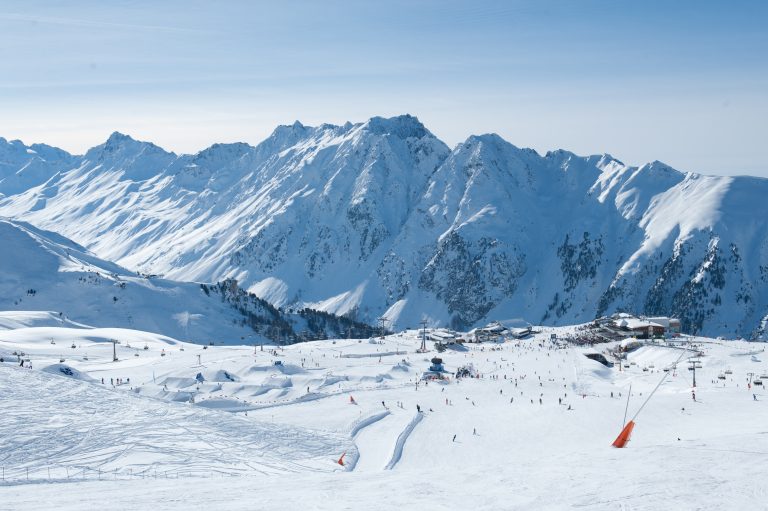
(121, 145)
(488, 138)
(289, 132)
(116, 137)
(660, 168)
(117, 140)
(402, 126)
(490, 143)
(13, 145)
(221, 154)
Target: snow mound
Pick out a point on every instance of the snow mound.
(289, 369)
(220, 376)
(173, 382)
(401, 367)
(332, 379)
(68, 371)
(379, 378)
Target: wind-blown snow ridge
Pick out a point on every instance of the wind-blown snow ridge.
(364, 218)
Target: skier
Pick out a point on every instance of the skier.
(754, 397)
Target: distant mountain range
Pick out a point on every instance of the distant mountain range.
(382, 219)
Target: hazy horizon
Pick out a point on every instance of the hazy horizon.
(684, 83)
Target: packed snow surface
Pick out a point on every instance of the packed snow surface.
(180, 426)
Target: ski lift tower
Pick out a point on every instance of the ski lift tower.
(423, 348)
(694, 364)
(383, 321)
(114, 349)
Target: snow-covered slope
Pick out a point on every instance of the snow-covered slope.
(63, 284)
(94, 431)
(150, 431)
(381, 218)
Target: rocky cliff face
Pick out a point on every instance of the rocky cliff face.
(382, 218)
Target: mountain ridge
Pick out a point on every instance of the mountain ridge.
(382, 218)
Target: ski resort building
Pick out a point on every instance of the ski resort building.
(641, 328)
(671, 325)
(442, 335)
(491, 332)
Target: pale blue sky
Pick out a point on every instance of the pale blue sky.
(685, 82)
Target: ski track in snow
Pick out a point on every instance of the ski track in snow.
(401, 439)
(108, 430)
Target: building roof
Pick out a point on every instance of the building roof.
(635, 323)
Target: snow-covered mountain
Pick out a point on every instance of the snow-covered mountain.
(43, 271)
(382, 218)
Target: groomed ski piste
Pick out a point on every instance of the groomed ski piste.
(176, 425)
